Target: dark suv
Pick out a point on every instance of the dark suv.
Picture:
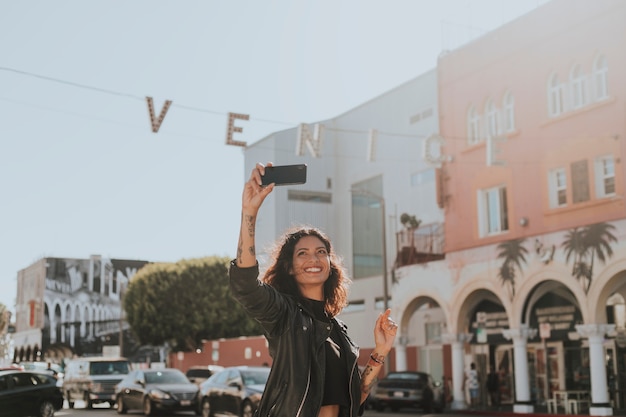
(408, 389)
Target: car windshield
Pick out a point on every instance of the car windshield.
(409, 377)
(164, 377)
(108, 368)
(255, 377)
(203, 373)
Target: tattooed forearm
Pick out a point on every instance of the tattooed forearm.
(249, 221)
(366, 385)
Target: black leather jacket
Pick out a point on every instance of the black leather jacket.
(296, 343)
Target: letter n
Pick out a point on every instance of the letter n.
(312, 142)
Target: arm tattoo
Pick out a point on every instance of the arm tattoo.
(252, 250)
(366, 388)
(250, 224)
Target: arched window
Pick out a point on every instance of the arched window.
(555, 96)
(493, 122)
(508, 105)
(473, 126)
(600, 81)
(578, 85)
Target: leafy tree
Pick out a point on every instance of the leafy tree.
(184, 302)
(513, 253)
(409, 221)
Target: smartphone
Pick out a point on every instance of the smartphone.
(284, 175)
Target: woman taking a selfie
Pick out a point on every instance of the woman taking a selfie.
(314, 370)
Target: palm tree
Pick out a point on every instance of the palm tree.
(513, 254)
(597, 239)
(574, 247)
(591, 241)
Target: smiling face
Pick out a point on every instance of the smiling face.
(311, 266)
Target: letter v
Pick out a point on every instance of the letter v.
(156, 124)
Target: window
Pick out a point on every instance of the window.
(600, 83)
(309, 196)
(433, 333)
(508, 104)
(492, 209)
(367, 228)
(578, 85)
(493, 124)
(555, 96)
(353, 306)
(580, 181)
(473, 126)
(558, 187)
(605, 176)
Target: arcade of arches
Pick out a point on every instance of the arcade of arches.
(549, 335)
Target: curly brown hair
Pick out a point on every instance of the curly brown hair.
(278, 273)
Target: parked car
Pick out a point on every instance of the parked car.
(24, 393)
(49, 368)
(235, 390)
(199, 374)
(156, 389)
(93, 379)
(408, 389)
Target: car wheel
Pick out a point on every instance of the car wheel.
(147, 407)
(427, 404)
(206, 408)
(246, 409)
(121, 408)
(46, 409)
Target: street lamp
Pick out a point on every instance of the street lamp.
(381, 201)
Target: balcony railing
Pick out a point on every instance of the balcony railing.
(423, 244)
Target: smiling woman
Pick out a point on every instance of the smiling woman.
(296, 301)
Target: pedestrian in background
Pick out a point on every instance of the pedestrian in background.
(493, 387)
(314, 370)
(471, 383)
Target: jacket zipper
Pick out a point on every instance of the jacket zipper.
(350, 390)
(306, 392)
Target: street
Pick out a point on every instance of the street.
(103, 410)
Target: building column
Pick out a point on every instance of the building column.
(401, 362)
(457, 342)
(600, 405)
(520, 354)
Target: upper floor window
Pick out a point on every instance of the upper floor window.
(600, 83)
(578, 85)
(556, 104)
(558, 187)
(491, 112)
(508, 104)
(473, 126)
(492, 211)
(605, 176)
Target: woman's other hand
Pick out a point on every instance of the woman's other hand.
(384, 333)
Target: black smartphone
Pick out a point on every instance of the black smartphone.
(284, 175)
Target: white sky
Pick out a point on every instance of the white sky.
(81, 173)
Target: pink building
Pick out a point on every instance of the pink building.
(533, 116)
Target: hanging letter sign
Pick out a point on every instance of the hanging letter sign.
(231, 128)
(156, 124)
